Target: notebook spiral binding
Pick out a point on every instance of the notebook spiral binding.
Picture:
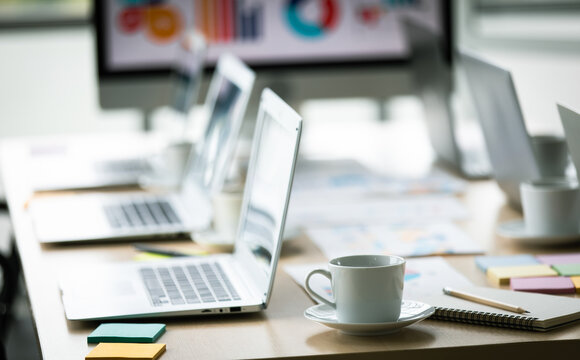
(485, 318)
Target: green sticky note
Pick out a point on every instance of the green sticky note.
(567, 269)
(126, 333)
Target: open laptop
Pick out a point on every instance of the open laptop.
(510, 148)
(118, 215)
(571, 122)
(82, 168)
(434, 79)
(214, 284)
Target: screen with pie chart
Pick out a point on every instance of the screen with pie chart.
(138, 42)
(144, 34)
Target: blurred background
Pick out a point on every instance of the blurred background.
(49, 85)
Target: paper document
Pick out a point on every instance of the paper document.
(302, 213)
(331, 178)
(423, 277)
(398, 239)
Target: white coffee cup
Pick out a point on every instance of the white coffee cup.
(366, 288)
(551, 154)
(227, 206)
(551, 206)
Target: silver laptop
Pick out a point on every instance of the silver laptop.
(214, 284)
(511, 149)
(118, 215)
(74, 168)
(571, 122)
(434, 80)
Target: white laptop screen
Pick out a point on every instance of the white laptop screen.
(267, 190)
(269, 186)
(211, 161)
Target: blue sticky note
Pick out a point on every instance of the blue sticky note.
(126, 333)
(486, 262)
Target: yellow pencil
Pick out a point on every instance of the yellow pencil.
(484, 301)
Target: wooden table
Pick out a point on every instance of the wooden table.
(281, 331)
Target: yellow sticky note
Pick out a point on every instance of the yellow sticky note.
(122, 351)
(576, 281)
(502, 274)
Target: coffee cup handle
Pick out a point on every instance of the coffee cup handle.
(313, 293)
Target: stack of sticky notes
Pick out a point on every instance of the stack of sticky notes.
(126, 341)
(120, 351)
(553, 274)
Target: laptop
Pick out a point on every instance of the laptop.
(571, 122)
(81, 168)
(138, 214)
(215, 284)
(510, 148)
(435, 86)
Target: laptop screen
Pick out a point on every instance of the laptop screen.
(498, 109)
(212, 157)
(267, 189)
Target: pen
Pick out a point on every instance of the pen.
(155, 250)
(483, 300)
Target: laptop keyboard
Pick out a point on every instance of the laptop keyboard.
(133, 167)
(189, 284)
(141, 213)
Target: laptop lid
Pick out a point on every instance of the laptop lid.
(571, 122)
(267, 190)
(226, 100)
(510, 148)
(188, 70)
(434, 84)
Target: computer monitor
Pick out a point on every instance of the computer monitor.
(136, 46)
(301, 48)
(435, 75)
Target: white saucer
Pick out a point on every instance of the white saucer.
(517, 230)
(411, 312)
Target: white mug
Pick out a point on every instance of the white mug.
(551, 206)
(227, 206)
(366, 288)
(551, 155)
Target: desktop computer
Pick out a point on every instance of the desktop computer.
(302, 49)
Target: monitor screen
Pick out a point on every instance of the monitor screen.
(136, 36)
(361, 43)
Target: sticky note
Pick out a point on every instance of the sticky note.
(567, 269)
(546, 284)
(486, 262)
(501, 275)
(121, 351)
(572, 258)
(127, 333)
(576, 282)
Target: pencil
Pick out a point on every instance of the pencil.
(483, 300)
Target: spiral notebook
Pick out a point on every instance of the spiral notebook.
(546, 312)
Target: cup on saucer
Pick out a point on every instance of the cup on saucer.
(551, 207)
(366, 288)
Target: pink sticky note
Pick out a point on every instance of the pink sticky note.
(547, 285)
(572, 258)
